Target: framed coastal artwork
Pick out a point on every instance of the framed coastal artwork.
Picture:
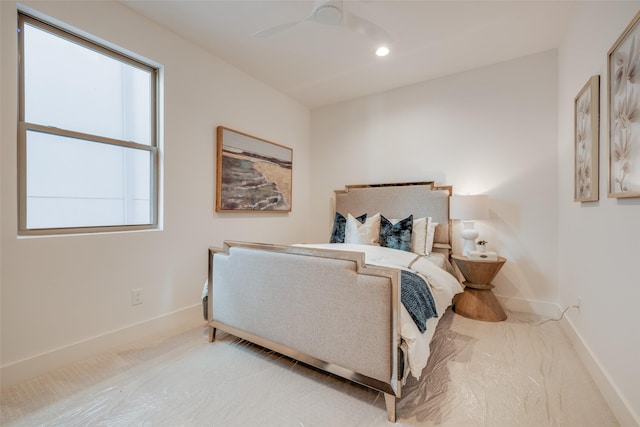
(586, 135)
(623, 63)
(252, 174)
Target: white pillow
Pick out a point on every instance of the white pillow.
(363, 234)
(431, 232)
(419, 236)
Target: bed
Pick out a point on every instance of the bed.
(342, 306)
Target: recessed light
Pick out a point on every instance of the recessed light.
(382, 51)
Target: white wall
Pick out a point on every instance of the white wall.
(491, 131)
(504, 130)
(599, 242)
(59, 293)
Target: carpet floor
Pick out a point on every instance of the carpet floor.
(521, 372)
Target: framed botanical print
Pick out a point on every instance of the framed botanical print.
(623, 65)
(253, 174)
(587, 141)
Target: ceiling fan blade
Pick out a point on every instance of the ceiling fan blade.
(366, 28)
(277, 29)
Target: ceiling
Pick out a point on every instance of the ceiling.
(324, 64)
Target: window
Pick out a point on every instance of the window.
(88, 154)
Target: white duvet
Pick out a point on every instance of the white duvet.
(444, 286)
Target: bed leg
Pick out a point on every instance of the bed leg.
(390, 401)
(212, 334)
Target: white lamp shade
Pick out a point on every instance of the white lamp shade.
(469, 207)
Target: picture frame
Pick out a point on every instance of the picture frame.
(587, 141)
(252, 174)
(623, 66)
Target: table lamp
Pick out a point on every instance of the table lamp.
(468, 209)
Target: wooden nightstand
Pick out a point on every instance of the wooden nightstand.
(478, 301)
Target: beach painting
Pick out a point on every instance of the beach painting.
(253, 174)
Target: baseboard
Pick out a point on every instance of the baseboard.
(168, 324)
(543, 309)
(616, 401)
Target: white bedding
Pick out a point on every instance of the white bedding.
(444, 286)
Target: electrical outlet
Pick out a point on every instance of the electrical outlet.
(579, 303)
(136, 296)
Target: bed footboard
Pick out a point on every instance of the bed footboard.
(324, 308)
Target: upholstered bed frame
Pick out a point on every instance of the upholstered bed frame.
(322, 307)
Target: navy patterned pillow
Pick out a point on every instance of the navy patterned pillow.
(339, 224)
(398, 235)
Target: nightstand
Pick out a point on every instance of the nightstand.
(478, 301)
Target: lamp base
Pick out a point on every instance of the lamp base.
(469, 234)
